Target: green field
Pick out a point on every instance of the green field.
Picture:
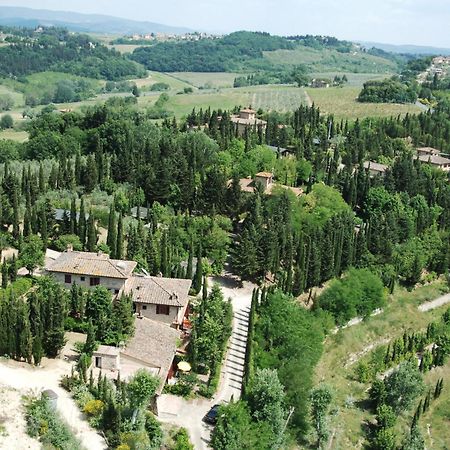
(124, 48)
(343, 351)
(354, 79)
(341, 102)
(207, 80)
(159, 77)
(12, 135)
(326, 60)
(16, 96)
(273, 97)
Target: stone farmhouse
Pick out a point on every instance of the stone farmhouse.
(265, 181)
(247, 119)
(161, 307)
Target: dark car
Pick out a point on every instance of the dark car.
(211, 415)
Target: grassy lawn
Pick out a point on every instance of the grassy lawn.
(18, 136)
(344, 349)
(341, 102)
(207, 79)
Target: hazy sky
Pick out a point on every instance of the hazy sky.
(421, 22)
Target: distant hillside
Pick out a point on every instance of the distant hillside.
(28, 17)
(55, 49)
(408, 49)
(245, 51)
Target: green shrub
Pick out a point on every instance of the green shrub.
(46, 425)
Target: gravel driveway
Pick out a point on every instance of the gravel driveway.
(189, 413)
(440, 301)
(25, 379)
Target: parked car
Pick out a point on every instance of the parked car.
(211, 415)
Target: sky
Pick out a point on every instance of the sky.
(418, 22)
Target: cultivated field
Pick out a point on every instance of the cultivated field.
(326, 60)
(341, 102)
(273, 97)
(343, 351)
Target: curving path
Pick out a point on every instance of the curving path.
(28, 379)
(436, 303)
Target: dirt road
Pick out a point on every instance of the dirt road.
(28, 379)
(433, 304)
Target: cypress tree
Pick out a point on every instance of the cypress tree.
(13, 269)
(151, 254)
(4, 275)
(165, 269)
(27, 224)
(190, 259)
(82, 224)
(119, 244)
(111, 240)
(197, 283)
(25, 338)
(73, 217)
(42, 187)
(90, 343)
(91, 234)
(15, 206)
(204, 290)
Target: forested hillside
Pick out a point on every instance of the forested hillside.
(244, 51)
(56, 49)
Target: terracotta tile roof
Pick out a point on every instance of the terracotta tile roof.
(436, 160)
(107, 350)
(243, 121)
(92, 264)
(158, 290)
(264, 174)
(429, 150)
(248, 111)
(154, 344)
(377, 167)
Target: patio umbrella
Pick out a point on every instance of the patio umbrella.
(184, 366)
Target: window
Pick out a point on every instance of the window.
(116, 291)
(144, 306)
(68, 279)
(163, 309)
(82, 278)
(94, 281)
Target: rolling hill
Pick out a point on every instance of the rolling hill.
(95, 23)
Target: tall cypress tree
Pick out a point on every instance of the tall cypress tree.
(4, 275)
(15, 205)
(197, 283)
(82, 224)
(119, 244)
(91, 234)
(43, 230)
(190, 260)
(73, 217)
(165, 269)
(111, 240)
